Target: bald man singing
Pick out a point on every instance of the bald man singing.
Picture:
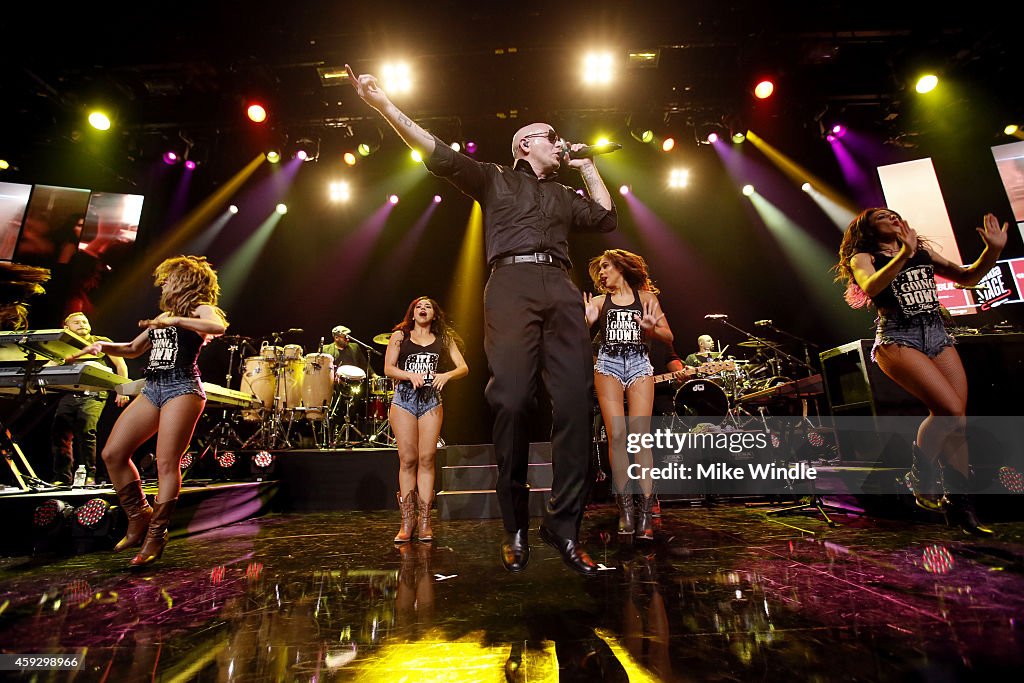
(533, 315)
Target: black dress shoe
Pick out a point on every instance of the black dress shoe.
(573, 555)
(515, 551)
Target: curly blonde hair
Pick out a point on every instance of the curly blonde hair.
(193, 283)
(632, 266)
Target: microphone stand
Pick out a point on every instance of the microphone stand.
(806, 344)
(364, 345)
(775, 349)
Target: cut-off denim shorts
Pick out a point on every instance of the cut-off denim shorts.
(925, 332)
(419, 402)
(627, 367)
(163, 385)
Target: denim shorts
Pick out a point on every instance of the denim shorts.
(419, 402)
(925, 332)
(162, 386)
(627, 367)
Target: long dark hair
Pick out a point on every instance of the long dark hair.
(632, 266)
(439, 326)
(860, 237)
(193, 283)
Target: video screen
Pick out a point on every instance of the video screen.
(53, 225)
(13, 202)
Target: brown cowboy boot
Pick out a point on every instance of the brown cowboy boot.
(407, 506)
(133, 502)
(424, 532)
(624, 501)
(156, 536)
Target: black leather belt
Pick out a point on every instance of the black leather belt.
(543, 259)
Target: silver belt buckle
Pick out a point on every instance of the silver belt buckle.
(544, 258)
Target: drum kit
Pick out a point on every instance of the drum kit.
(293, 387)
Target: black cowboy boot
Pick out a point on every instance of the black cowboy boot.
(959, 507)
(925, 481)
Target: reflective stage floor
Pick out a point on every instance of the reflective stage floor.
(722, 595)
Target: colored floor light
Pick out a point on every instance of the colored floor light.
(667, 144)
(256, 113)
(764, 89)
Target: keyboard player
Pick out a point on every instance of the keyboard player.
(74, 434)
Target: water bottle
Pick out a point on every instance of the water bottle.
(79, 477)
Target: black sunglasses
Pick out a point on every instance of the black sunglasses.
(551, 135)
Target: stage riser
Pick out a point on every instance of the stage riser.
(483, 477)
(483, 504)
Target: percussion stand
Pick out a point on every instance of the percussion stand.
(343, 438)
(223, 433)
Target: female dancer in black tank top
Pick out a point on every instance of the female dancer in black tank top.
(883, 262)
(172, 401)
(629, 315)
(423, 356)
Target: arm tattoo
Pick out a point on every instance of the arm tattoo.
(589, 176)
(405, 121)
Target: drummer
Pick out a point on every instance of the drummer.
(705, 352)
(345, 353)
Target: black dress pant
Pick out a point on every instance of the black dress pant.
(74, 434)
(535, 326)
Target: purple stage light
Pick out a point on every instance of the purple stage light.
(470, 147)
(839, 130)
(190, 165)
(437, 199)
(170, 158)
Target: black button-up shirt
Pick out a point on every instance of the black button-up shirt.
(523, 214)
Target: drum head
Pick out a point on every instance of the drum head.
(701, 397)
(350, 373)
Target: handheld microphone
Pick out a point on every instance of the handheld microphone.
(763, 323)
(591, 151)
(715, 316)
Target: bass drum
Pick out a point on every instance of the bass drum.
(701, 397)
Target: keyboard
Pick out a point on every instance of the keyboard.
(801, 388)
(86, 376)
(216, 395)
(50, 344)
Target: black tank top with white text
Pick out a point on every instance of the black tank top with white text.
(174, 348)
(421, 359)
(913, 291)
(620, 327)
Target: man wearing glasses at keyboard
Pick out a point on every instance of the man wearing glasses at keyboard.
(533, 315)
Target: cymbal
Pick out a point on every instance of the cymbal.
(757, 344)
(235, 337)
(383, 338)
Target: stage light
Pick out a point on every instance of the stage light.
(748, 190)
(306, 149)
(256, 113)
(679, 178)
(94, 515)
(273, 156)
(927, 83)
(99, 120)
(668, 144)
(416, 156)
(190, 165)
(838, 130)
(396, 78)
(170, 158)
(281, 209)
(457, 147)
(186, 461)
(764, 89)
(710, 132)
(806, 187)
(49, 516)
(597, 68)
(233, 209)
(4, 164)
(470, 147)
(340, 191)
(1009, 130)
(227, 458)
(437, 199)
(393, 198)
(263, 459)
(712, 138)
(624, 190)
(363, 149)
(738, 137)
(262, 465)
(349, 158)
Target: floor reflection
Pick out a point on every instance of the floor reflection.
(723, 594)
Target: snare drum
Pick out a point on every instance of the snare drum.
(701, 397)
(377, 408)
(382, 386)
(349, 374)
(317, 384)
